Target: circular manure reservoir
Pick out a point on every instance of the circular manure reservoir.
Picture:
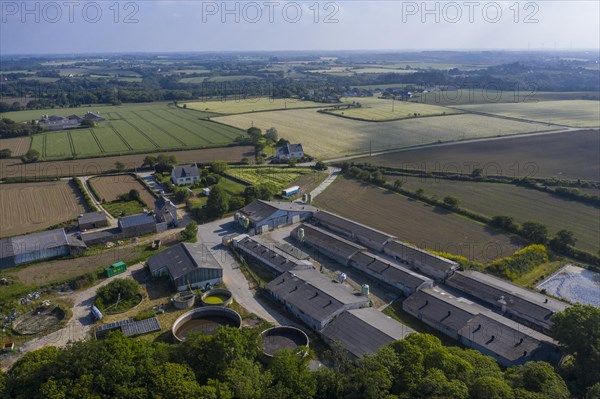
(216, 297)
(184, 300)
(284, 337)
(205, 320)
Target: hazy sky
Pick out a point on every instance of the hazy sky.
(67, 26)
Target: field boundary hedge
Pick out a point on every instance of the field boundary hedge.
(83, 192)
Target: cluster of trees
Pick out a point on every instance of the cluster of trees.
(132, 195)
(520, 262)
(220, 202)
(10, 128)
(161, 163)
(118, 290)
(227, 366)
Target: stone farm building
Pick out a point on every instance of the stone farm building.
(165, 211)
(187, 265)
(262, 216)
(290, 151)
(92, 220)
(137, 225)
(34, 247)
(313, 298)
(185, 174)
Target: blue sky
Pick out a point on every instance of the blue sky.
(168, 26)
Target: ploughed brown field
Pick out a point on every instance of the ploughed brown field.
(110, 187)
(570, 155)
(96, 166)
(30, 207)
(18, 145)
(414, 222)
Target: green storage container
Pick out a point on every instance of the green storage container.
(116, 268)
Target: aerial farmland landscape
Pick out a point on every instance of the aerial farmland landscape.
(299, 200)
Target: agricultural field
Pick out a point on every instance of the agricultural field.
(110, 187)
(131, 128)
(349, 71)
(576, 113)
(491, 95)
(95, 166)
(18, 145)
(377, 109)
(522, 203)
(415, 222)
(30, 207)
(570, 155)
(326, 136)
(241, 106)
(279, 177)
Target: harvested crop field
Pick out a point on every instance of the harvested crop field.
(570, 155)
(110, 187)
(96, 166)
(18, 145)
(253, 104)
(524, 204)
(30, 207)
(328, 136)
(576, 113)
(415, 222)
(377, 109)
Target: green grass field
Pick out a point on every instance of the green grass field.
(377, 109)
(279, 177)
(119, 208)
(130, 128)
(326, 136)
(241, 106)
(576, 113)
(522, 203)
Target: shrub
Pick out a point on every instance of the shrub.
(117, 290)
(521, 262)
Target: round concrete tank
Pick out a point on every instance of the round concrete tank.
(205, 320)
(216, 297)
(184, 300)
(284, 337)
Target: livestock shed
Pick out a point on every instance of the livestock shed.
(137, 225)
(269, 255)
(328, 244)
(34, 247)
(100, 237)
(92, 220)
(390, 273)
(424, 262)
(262, 216)
(526, 306)
(367, 236)
(314, 298)
(477, 327)
(187, 265)
(129, 327)
(364, 331)
(441, 310)
(508, 342)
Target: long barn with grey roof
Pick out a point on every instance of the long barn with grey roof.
(364, 331)
(390, 273)
(35, 247)
(523, 305)
(313, 297)
(187, 265)
(421, 261)
(367, 236)
(268, 255)
(327, 243)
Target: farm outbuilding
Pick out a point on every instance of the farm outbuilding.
(424, 262)
(92, 220)
(34, 247)
(165, 211)
(313, 297)
(268, 255)
(364, 331)
(525, 306)
(367, 236)
(137, 225)
(187, 265)
(329, 244)
(262, 216)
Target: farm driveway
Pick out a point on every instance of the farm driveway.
(112, 222)
(77, 327)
